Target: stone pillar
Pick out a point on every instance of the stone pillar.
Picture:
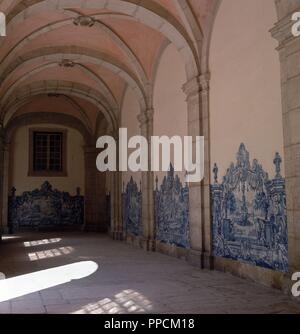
(5, 186)
(148, 239)
(2, 148)
(289, 54)
(197, 92)
(95, 193)
(115, 179)
(116, 206)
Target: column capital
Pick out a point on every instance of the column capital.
(197, 85)
(146, 117)
(282, 31)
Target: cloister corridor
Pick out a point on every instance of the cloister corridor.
(118, 278)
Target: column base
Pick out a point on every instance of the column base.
(117, 235)
(200, 259)
(148, 245)
(208, 261)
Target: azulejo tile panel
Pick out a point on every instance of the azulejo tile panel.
(132, 209)
(249, 218)
(172, 211)
(45, 207)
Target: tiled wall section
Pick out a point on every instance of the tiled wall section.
(172, 211)
(249, 214)
(45, 208)
(132, 209)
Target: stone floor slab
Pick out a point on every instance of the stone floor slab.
(127, 280)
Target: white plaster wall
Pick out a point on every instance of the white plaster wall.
(20, 161)
(170, 107)
(245, 96)
(129, 120)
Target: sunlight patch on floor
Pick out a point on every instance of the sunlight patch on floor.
(50, 253)
(26, 284)
(127, 301)
(10, 237)
(41, 242)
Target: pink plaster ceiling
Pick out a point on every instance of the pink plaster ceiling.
(17, 33)
(63, 74)
(202, 9)
(94, 39)
(75, 107)
(139, 53)
(170, 6)
(115, 83)
(44, 103)
(142, 40)
(19, 73)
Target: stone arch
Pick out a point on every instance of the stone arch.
(147, 12)
(112, 34)
(69, 99)
(59, 88)
(55, 85)
(208, 35)
(46, 118)
(191, 23)
(80, 55)
(163, 48)
(105, 90)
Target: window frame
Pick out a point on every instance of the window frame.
(31, 171)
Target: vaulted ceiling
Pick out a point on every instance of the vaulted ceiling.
(80, 55)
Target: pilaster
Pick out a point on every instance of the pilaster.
(148, 238)
(197, 93)
(289, 54)
(95, 200)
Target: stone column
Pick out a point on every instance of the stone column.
(116, 223)
(148, 239)
(2, 148)
(289, 53)
(197, 92)
(95, 193)
(5, 186)
(116, 206)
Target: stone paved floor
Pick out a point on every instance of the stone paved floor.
(39, 268)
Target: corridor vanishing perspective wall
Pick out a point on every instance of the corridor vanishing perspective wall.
(225, 70)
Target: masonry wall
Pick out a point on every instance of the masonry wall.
(245, 107)
(129, 121)
(20, 162)
(170, 107)
(245, 96)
